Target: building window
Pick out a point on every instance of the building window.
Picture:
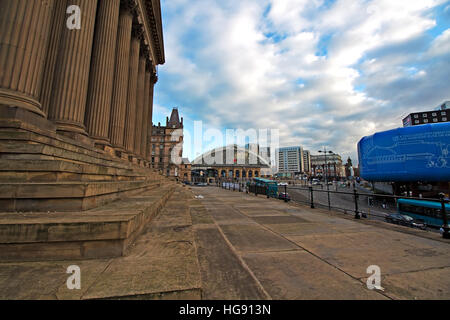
(444, 118)
(416, 116)
(434, 114)
(153, 159)
(160, 160)
(435, 120)
(443, 113)
(425, 115)
(416, 121)
(425, 120)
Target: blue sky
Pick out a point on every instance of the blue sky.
(324, 73)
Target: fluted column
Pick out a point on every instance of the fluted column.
(120, 84)
(24, 35)
(145, 115)
(57, 26)
(130, 114)
(98, 107)
(70, 87)
(140, 105)
(153, 80)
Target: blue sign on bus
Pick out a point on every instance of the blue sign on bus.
(417, 153)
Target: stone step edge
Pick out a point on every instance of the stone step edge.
(109, 227)
(63, 190)
(62, 166)
(38, 148)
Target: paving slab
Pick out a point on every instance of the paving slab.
(255, 238)
(223, 275)
(297, 275)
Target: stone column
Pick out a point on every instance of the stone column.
(70, 85)
(120, 84)
(145, 114)
(98, 107)
(57, 26)
(130, 115)
(24, 35)
(153, 80)
(140, 104)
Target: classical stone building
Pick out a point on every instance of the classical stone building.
(75, 122)
(73, 97)
(185, 173)
(167, 145)
(231, 163)
(329, 166)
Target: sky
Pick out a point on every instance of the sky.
(324, 73)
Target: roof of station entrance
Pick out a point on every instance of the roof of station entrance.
(231, 156)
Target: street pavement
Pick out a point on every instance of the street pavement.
(209, 243)
(295, 252)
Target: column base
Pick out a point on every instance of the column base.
(77, 136)
(17, 99)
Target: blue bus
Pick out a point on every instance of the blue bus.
(270, 184)
(429, 211)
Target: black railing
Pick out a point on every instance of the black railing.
(359, 204)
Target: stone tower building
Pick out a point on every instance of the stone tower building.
(167, 145)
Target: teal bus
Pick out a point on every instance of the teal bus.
(266, 183)
(429, 211)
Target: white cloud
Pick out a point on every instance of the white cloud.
(232, 63)
(440, 45)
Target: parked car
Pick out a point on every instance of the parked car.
(405, 220)
(284, 196)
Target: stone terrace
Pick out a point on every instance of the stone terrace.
(229, 245)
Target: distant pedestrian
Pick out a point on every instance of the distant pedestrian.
(384, 204)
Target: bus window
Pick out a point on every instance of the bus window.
(411, 209)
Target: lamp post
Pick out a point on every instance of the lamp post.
(325, 152)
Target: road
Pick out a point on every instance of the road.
(344, 202)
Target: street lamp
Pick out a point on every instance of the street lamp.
(325, 152)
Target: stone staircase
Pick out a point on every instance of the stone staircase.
(103, 232)
(42, 171)
(63, 198)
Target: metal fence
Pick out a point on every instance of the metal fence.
(359, 203)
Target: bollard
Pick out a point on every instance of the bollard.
(355, 196)
(312, 197)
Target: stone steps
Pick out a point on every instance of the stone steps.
(61, 171)
(41, 170)
(101, 233)
(66, 196)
